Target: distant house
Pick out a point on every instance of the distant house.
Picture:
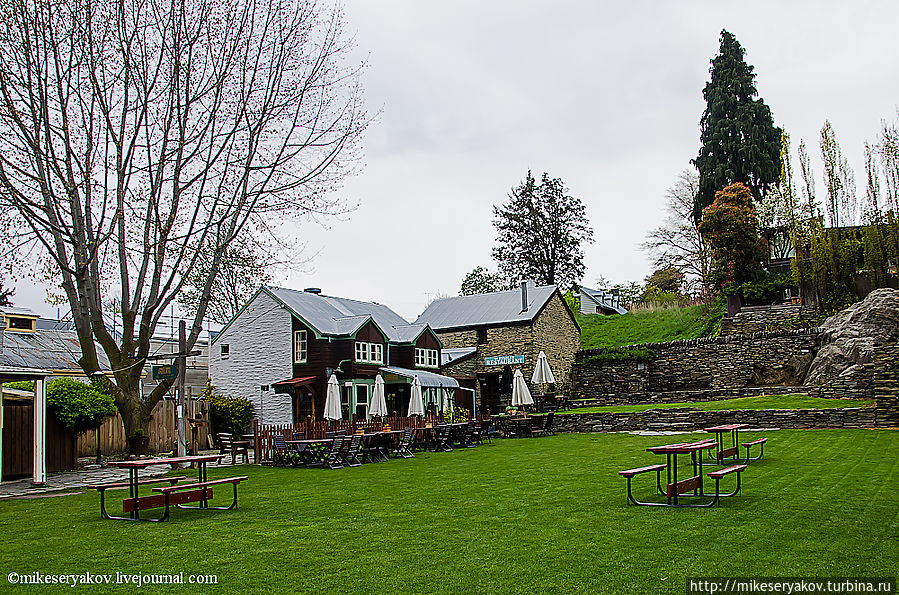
(284, 345)
(598, 301)
(486, 336)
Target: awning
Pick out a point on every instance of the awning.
(427, 379)
(283, 385)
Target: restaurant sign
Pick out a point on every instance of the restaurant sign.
(504, 360)
(166, 372)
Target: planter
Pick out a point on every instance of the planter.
(138, 445)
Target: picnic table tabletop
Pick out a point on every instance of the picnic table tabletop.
(727, 427)
(144, 463)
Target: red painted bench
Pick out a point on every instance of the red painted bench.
(760, 442)
(128, 503)
(194, 492)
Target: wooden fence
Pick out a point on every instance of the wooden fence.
(163, 431)
(18, 441)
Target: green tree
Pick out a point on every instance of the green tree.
(78, 405)
(480, 280)
(540, 233)
(670, 280)
(730, 228)
(739, 140)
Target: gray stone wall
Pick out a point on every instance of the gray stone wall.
(756, 319)
(260, 353)
(779, 358)
(690, 419)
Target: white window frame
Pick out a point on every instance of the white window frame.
(225, 350)
(300, 347)
(369, 353)
(426, 358)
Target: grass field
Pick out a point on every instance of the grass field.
(544, 515)
(760, 402)
(643, 327)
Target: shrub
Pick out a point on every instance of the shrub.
(230, 414)
(635, 354)
(26, 385)
(767, 288)
(79, 406)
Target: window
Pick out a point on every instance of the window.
(369, 352)
(226, 350)
(482, 336)
(426, 358)
(300, 347)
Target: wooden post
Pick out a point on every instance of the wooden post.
(257, 441)
(182, 365)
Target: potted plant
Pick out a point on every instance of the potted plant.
(139, 443)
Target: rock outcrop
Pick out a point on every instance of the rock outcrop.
(849, 337)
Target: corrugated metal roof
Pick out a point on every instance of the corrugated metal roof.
(485, 309)
(45, 349)
(447, 356)
(341, 317)
(603, 299)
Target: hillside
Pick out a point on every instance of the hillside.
(644, 326)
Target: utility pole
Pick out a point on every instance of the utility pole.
(182, 368)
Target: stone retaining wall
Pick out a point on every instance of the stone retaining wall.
(769, 359)
(754, 319)
(690, 419)
(689, 396)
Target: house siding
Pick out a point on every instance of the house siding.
(260, 344)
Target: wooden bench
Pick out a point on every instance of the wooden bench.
(748, 445)
(227, 444)
(717, 476)
(194, 492)
(102, 487)
(630, 473)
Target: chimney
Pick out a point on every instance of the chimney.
(2, 328)
(524, 295)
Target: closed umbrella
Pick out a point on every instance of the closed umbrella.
(542, 372)
(378, 405)
(520, 394)
(332, 400)
(416, 404)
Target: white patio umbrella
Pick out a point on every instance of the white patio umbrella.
(332, 400)
(520, 393)
(542, 372)
(378, 405)
(416, 404)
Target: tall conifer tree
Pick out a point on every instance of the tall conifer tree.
(739, 140)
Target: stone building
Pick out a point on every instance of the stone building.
(486, 336)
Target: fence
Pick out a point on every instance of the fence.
(18, 441)
(163, 431)
(264, 444)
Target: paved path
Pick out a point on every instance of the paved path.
(92, 474)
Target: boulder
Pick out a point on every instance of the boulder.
(849, 336)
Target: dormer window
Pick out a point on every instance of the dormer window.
(426, 358)
(370, 353)
(19, 323)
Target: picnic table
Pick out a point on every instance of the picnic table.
(674, 487)
(721, 451)
(200, 491)
(314, 451)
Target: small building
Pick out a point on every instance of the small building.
(599, 301)
(485, 336)
(284, 345)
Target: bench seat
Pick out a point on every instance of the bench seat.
(713, 474)
(200, 484)
(760, 442)
(632, 472)
(124, 484)
(757, 441)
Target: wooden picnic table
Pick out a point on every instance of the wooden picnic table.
(676, 487)
(314, 451)
(135, 502)
(733, 451)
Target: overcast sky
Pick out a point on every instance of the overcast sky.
(605, 95)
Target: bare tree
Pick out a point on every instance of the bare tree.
(677, 244)
(137, 136)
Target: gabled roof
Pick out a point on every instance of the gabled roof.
(486, 309)
(604, 299)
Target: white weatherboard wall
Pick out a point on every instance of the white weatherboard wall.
(259, 342)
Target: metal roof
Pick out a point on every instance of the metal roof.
(427, 379)
(448, 356)
(603, 298)
(341, 317)
(45, 350)
(485, 309)
(15, 311)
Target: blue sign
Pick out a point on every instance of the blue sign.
(504, 360)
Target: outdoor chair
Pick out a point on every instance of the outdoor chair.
(488, 430)
(475, 433)
(443, 441)
(404, 447)
(468, 437)
(545, 427)
(227, 446)
(332, 459)
(349, 451)
(298, 451)
(279, 450)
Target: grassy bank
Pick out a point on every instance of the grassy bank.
(759, 402)
(644, 327)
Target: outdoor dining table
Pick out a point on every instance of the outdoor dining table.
(135, 466)
(378, 443)
(721, 452)
(315, 449)
(693, 484)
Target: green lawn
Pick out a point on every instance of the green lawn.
(759, 402)
(545, 515)
(643, 327)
